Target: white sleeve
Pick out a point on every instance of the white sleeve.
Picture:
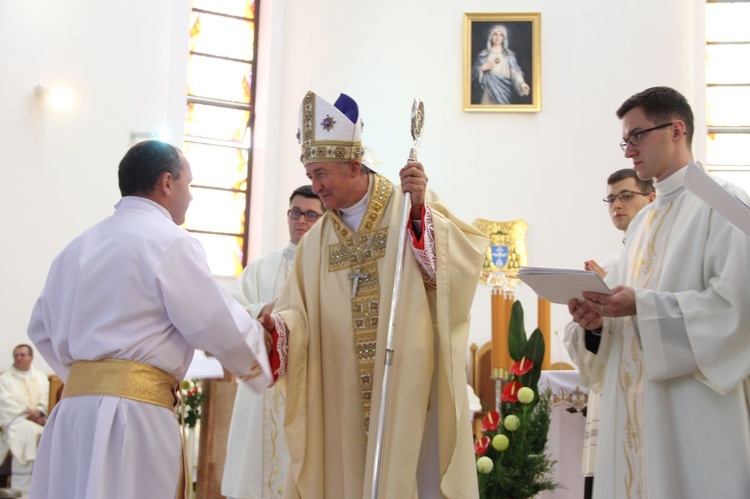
(702, 331)
(424, 250)
(208, 317)
(10, 407)
(592, 366)
(245, 289)
(39, 334)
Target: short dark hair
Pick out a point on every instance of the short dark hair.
(144, 163)
(28, 347)
(646, 186)
(306, 192)
(662, 104)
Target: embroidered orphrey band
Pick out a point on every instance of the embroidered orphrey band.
(357, 255)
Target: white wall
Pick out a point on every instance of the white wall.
(126, 63)
(548, 168)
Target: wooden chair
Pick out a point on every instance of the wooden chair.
(480, 370)
(480, 365)
(216, 416)
(55, 392)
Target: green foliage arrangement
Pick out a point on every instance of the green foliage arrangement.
(193, 396)
(511, 460)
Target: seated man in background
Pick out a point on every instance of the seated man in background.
(24, 394)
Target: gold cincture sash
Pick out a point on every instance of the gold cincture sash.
(134, 381)
(121, 378)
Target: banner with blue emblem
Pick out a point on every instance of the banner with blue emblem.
(507, 251)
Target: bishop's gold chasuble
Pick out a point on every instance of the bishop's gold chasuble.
(336, 306)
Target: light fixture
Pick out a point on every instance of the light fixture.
(58, 97)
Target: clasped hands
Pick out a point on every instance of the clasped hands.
(266, 320)
(36, 416)
(590, 313)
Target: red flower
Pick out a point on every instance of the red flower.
(521, 367)
(481, 445)
(491, 421)
(510, 392)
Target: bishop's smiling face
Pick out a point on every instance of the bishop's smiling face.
(337, 184)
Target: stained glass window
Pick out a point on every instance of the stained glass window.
(244, 8)
(728, 90)
(219, 127)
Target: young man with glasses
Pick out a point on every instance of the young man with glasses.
(257, 458)
(674, 337)
(626, 196)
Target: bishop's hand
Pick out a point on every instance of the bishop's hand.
(270, 326)
(414, 180)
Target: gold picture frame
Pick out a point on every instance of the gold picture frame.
(502, 62)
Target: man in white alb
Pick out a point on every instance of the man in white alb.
(123, 310)
(673, 357)
(257, 455)
(24, 396)
(626, 196)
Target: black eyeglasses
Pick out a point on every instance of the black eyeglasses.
(637, 137)
(294, 214)
(623, 196)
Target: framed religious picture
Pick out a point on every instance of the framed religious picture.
(502, 63)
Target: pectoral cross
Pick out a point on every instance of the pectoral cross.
(355, 277)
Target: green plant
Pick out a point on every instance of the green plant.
(511, 462)
(192, 395)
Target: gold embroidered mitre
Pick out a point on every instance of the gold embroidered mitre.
(330, 133)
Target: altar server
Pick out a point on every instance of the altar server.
(257, 455)
(124, 307)
(673, 357)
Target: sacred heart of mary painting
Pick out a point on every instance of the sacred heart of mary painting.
(507, 251)
(502, 61)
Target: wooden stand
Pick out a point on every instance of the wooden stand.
(216, 414)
